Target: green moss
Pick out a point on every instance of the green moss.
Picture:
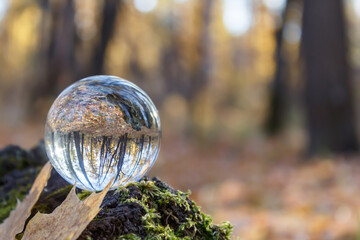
(9, 203)
(168, 214)
(124, 237)
(83, 194)
(44, 207)
(210, 231)
(162, 204)
(129, 237)
(62, 191)
(197, 224)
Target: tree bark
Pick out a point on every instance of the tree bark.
(204, 64)
(109, 14)
(57, 49)
(328, 97)
(278, 96)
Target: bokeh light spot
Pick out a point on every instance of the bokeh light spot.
(237, 16)
(356, 4)
(145, 5)
(4, 4)
(292, 32)
(275, 6)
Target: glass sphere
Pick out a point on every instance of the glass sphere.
(102, 127)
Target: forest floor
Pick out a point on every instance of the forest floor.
(265, 188)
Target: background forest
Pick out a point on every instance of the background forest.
(258, 98)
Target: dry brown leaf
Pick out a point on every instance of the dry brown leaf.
(14, 224)
(68, 220)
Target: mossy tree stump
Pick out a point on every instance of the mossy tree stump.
(149, 209)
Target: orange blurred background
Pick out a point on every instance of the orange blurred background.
(209, 66)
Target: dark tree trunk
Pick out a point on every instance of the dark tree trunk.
(109, 14)
(61, 57)
(278, 96)
(203, 66)
(173, 71)
(202, 71)
(56, 57)
(328, 96)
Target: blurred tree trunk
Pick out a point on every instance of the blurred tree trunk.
(177, 78)
(279, 92)
(109, 14)
(57, 48)
(173, 71)
(328, 96)
(54, 62)
(61, 52)
(202, 71)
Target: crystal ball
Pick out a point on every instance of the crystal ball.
(102, 128)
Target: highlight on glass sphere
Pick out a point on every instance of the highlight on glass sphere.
(100, 128)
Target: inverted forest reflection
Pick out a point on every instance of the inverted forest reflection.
(258, 99)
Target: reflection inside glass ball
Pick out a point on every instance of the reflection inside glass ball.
(99, 128)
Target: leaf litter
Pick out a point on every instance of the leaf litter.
(68, 220)
(14, 224)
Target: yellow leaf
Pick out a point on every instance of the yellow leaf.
(14, 224)
(68, 220)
